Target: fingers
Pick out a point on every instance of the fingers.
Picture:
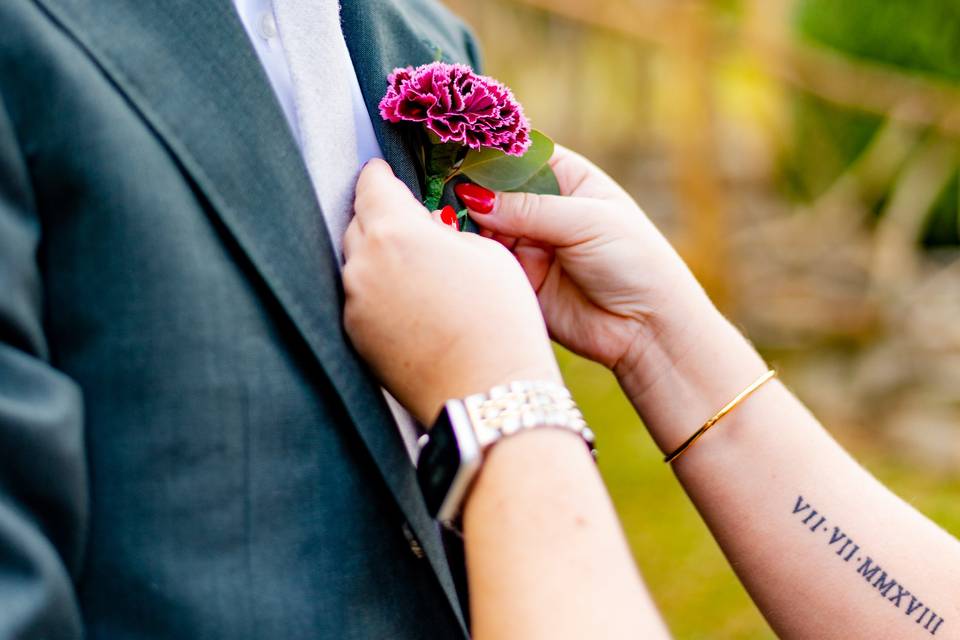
(558, 221)
(588, 195)
(351, 239)
(380, 194)
(571, 169)
(380, 197)
(579, 177)
(446, 217)
(535, 259)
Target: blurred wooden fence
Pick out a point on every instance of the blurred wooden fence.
(686, 32)
(797, 276)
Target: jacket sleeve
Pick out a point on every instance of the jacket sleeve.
(43, 490)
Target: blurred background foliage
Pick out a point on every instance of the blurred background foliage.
(802, 155)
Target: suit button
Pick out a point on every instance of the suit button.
(415, 547)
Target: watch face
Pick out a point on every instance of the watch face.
(439, 463)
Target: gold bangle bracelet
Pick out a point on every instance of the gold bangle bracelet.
(743, 395)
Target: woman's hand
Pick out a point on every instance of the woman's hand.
(609, 284)
(436, 313)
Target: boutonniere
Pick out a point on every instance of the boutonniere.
(468, 125)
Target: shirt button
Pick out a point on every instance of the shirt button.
(268, 26)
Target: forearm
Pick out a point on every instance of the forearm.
(546, 557)
(816, 540)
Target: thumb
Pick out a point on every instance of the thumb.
(559, 221)
(379, 193)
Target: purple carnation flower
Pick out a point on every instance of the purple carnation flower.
(458, 105)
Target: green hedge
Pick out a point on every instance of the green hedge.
(921, 36)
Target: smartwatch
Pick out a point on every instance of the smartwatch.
(452, 453)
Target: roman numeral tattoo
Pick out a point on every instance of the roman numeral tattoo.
(847, 549)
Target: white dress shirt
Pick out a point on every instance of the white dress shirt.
(260, 23)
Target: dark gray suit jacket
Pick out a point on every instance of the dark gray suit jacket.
(189, 448)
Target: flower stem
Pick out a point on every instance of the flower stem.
(450, 176)
(435, 185)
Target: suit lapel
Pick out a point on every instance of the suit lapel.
(189, 69)
(376, 51)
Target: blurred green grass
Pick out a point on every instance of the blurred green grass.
(621, 102)
(690, 579)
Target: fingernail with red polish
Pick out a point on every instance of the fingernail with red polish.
(475, 197)
(448, 216)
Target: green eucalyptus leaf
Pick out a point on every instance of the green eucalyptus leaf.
(543, 182)
(497, 171)
(442, 157)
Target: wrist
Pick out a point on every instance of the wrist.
(469, 429)
(558, 455)
(481, 378)
(683, 368)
